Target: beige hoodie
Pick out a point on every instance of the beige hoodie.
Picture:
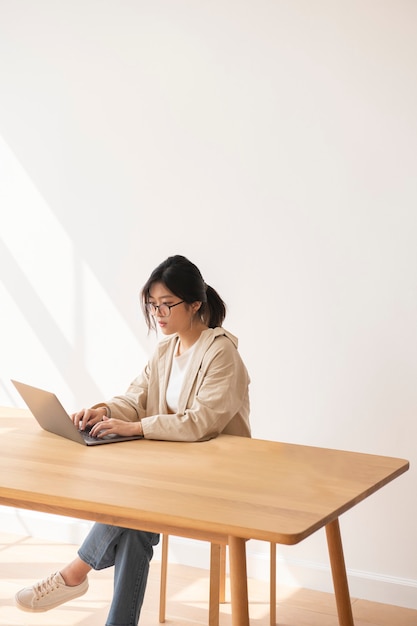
(214, 397)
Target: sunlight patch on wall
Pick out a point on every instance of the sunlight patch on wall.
(59, 327)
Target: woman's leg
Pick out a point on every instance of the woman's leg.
(75, 572)
(130, 551)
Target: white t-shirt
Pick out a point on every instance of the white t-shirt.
(176, 378)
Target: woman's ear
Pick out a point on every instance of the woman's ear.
(196, 306)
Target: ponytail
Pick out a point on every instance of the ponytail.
(213, 311)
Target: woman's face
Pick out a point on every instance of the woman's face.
(177, 318)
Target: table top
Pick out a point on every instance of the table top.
(248, 488)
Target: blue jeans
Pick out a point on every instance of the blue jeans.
(130, 551)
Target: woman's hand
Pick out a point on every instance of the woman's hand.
(86, 418)
(111, 426)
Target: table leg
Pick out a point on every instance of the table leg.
(215, 564)
(340, 582)
(238, 581)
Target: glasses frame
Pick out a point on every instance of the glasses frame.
(154, 309)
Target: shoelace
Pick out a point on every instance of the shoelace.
(45, 586)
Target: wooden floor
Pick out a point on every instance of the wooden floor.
(24, 560)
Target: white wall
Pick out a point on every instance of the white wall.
(274, 144)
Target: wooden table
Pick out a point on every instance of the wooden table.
(227, 489)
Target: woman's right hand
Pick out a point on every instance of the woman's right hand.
(86, 418)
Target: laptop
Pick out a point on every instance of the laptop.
(52, 416)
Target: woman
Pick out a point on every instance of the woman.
(194, 388)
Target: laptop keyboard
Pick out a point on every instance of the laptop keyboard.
(86, 436)
(89, 439)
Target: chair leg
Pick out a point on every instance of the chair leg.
(217, 580)
(163, 582)
(222, 596)
(273, 585)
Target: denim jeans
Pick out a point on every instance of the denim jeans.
(130, 551)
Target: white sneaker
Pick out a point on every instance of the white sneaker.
(48, 593)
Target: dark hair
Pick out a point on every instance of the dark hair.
(184, 279)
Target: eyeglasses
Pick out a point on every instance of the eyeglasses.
(164, 310)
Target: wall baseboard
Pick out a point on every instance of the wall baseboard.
(290, 572)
